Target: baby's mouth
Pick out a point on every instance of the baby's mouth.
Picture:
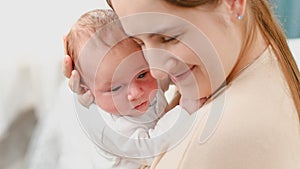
(142, 106)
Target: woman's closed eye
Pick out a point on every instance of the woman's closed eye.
(166, 39)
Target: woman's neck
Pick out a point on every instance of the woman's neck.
(255, 49)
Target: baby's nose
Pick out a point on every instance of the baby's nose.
(135, 92)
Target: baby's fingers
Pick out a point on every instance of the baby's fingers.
(190, 105)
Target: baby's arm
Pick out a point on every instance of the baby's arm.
(105, 160)
(147, 142)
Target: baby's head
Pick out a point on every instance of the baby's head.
(85, 28)
(111, 65)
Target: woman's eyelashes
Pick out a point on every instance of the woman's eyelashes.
(162, 38)
(166, 39)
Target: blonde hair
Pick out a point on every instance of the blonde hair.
(274, 35)
(259, 15)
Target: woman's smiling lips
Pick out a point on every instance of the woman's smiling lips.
(183, 75)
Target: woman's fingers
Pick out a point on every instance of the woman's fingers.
(86, 99)
(67, 66)
(85, 96)
(74, 82)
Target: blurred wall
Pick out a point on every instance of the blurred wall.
(32, 49)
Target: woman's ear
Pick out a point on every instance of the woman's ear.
(237, 7)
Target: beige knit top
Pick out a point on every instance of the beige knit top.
(257, 126)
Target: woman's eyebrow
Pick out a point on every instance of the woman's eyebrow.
(159, 31)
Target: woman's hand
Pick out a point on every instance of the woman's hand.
(85, 96)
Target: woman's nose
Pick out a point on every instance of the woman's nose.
(158, 74)
(161, 62)
(135, 91)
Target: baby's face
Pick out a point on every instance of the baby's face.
(123, 83)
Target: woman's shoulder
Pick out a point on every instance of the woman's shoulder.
(261, 85)
(261, 98)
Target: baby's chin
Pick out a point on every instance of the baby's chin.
(134, 113)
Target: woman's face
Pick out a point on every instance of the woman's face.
(198, 47)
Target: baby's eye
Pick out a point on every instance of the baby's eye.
(142, 75)
(114, 89)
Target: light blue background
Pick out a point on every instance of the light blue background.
(288, 13)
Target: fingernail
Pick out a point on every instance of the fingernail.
(89, 93)
(73, 73)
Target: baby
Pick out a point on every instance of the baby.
(112, 66)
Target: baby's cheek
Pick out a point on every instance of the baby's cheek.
(107, 103)
(117, 104)
(151, 87)
(152, 83)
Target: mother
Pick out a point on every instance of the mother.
(260, 123)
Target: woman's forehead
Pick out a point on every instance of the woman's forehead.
(151, 23)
